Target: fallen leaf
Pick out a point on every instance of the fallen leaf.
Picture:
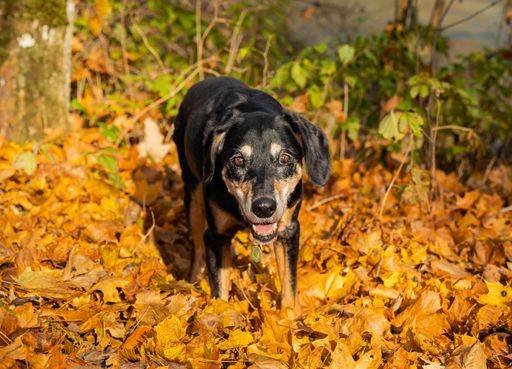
(153, 143)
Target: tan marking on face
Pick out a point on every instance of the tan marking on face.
(286, 219)
(275, 149)
(223, 220)
(225, 273)
(241, 190)
(284, 187)
(289, 298)
(246, 150)
(197, 228)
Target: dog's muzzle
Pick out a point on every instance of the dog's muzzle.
(264, 208)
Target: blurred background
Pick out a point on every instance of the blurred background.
(379, 76)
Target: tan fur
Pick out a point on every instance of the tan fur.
(289, 298)
(223, 220)
(285, 220)
(241, 190)
(197, 228)
(246, 150)
(225, 273)
(283, 188)
(275, 149)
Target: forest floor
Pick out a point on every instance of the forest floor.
(92, 274)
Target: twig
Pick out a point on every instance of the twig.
(199, 40)
(455, 128)
(236, 39)
(395, 178)
(148, 46)
(265, 61)
(507, 209)
(465, 19)
(123, 40)
(326, 200)
(434, 139)
(488, 170)
(5, 337)
(201, 37)
(445, 13)
(174, 91)
(212, 23)
(345, 113)
(150, 229)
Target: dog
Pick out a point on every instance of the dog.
(241, 155)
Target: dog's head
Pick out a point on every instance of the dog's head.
(260, 156)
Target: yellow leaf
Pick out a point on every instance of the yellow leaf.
(45, 282)
(171, 329)
(27, 316)
(393, 279)
(169, 336)
(108, 287)
(498, 294)
(175, 352)
(237, 338)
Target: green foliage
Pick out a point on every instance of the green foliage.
(392, 91)
(109, 163)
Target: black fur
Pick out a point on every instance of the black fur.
(215, 119)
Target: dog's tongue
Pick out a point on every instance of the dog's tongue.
(264, 229)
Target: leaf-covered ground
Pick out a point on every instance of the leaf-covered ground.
(92, 273)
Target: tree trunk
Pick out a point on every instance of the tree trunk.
(35, 67)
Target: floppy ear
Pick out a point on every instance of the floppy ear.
(212, 148)
(222, 118)
(315, 147)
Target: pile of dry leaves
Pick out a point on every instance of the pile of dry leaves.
(92, 273)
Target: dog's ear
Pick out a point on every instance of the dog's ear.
(315, 147)
(221, 118)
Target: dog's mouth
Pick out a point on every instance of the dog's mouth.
(264, 232)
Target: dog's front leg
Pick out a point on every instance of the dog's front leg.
(218, 263)
(286, 249)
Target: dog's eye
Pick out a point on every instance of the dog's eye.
(238, 161)
(284, 158)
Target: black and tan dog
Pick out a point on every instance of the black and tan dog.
(241, 156)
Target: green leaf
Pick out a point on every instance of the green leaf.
(110, 132)
(351, 80)
(243, 52)
(256, 254)
(353, 125)
(108, 162)
(299, 75)
(389, 127)
(424, 91)
(346, 53)
(320, 48)
(415, 91)
(77, 105)
(328, 67)
(316, 96)
(25, 161)
(281, 77)
(415, 122)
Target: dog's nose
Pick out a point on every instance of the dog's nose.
(264, 207)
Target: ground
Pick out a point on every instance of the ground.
(93, 260)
